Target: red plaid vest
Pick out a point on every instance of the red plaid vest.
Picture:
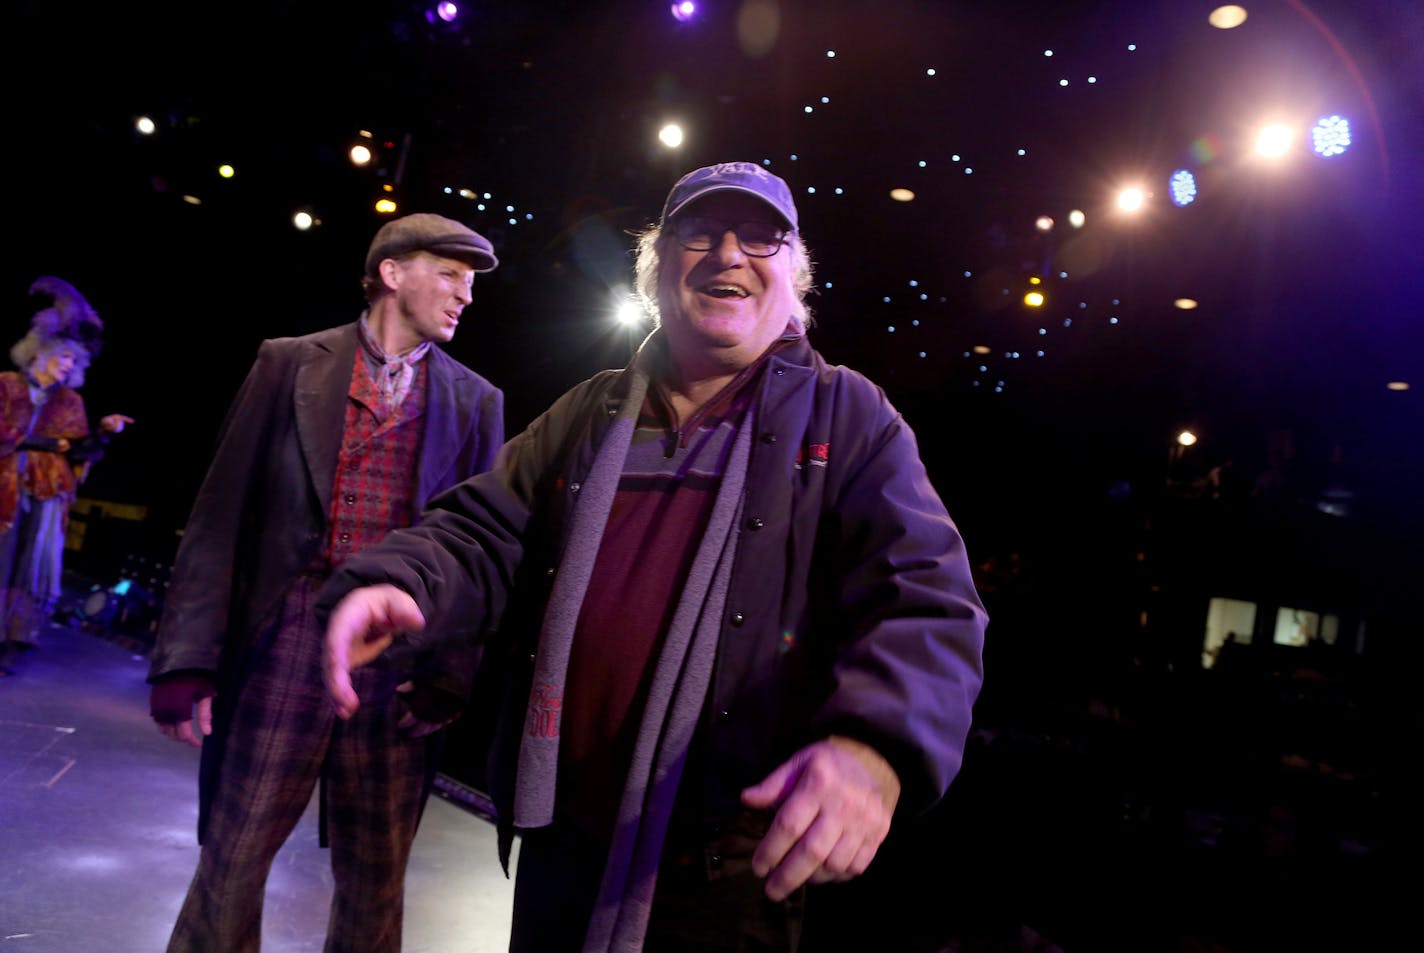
(376, 469)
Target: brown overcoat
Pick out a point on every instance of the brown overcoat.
(261, 515)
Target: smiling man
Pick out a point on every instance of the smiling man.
(737, 632)
(335, 438)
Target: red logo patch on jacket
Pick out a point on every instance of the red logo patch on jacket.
(545, 703)
(816, 454)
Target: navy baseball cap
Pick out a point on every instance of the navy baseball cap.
(745, 177)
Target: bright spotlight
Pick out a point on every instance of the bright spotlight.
(445, 11)
(684, 10)
(1227, 17)
(902, 195)
(226, 171)
(1397, 385)
(303, 221)
(144, 125)
(1186, 438)
(1076, 218)
(1183, 186)
(628, 312)
(671, 135)
(1034, 299)
(360, 155)
(1131, 200)
(1274, 141)
(1044, 223)
(1185, 304)
(1330, 136)
(385, 206)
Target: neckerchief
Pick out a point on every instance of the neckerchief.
(392, 373)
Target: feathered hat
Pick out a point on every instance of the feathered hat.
(65, 317)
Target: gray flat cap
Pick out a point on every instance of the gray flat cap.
(425, 231)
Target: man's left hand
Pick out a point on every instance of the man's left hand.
(834, 800)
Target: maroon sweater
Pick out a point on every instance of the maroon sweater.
(664, 499)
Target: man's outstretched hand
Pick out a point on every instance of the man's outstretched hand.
(362, 625)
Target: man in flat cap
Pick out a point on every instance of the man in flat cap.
(736, 625)
(335, 438)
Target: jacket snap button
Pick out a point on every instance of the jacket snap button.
(755, 523)
(738, 618)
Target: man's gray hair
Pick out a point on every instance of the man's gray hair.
(654, 241)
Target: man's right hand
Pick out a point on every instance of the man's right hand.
(171, 703)
(362, 625)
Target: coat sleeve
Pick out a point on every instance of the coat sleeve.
(460, 560)
(905, 678)
(450, 665)
(197, 612)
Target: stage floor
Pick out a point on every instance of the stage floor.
(98, 814)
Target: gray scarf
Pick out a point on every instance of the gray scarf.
(674, 702)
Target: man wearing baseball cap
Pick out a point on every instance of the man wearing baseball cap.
(741, 636)
(335, 438)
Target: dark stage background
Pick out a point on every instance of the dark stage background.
(1117, 793)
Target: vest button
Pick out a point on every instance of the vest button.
(738, 618)
(755, 523)
(351, 498)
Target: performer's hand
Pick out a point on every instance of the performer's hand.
(115, 423)
(834, 800)
(172, 702)
(362, 625)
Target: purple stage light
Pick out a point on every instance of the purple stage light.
(1331, 136)
(684, 10)
(1183, 186)
(443, 12)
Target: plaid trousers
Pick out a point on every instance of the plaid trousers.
(283, 736)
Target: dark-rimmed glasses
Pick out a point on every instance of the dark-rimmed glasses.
(756, 239)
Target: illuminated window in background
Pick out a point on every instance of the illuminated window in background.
(1296, 626)
(1329, 629)
(1224, 617)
